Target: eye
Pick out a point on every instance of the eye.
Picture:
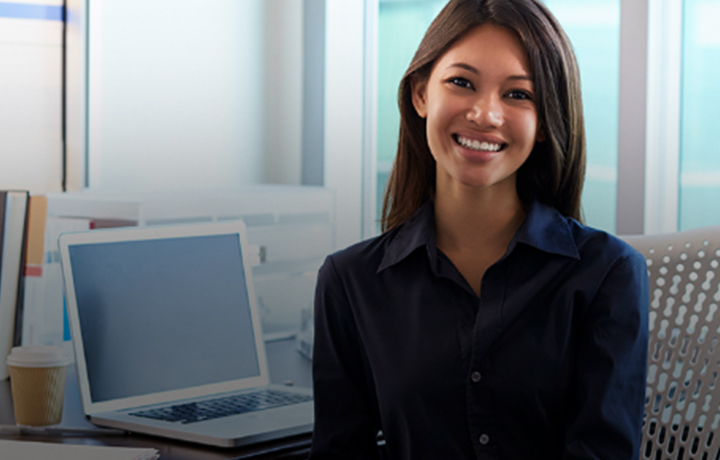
(460, 82)
(520, 94)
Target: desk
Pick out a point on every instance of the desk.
(285, 365)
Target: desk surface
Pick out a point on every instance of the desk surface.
(286, 365)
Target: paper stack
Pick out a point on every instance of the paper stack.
(21, 450)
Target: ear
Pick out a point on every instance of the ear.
(540, 136)
(418, 88)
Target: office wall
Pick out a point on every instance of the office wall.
(30, 95)
(188, 98)
(344, 137)
(175, 95)
(283, 66)
(266, 146)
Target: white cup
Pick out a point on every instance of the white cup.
(37, 381)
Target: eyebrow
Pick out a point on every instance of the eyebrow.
(472, 69)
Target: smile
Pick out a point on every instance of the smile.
(477, 145)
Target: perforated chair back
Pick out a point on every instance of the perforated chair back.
(682, 402)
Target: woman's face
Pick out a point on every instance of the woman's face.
(479, 105)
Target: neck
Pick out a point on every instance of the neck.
(472, 219)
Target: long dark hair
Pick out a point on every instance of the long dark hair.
(555, 170)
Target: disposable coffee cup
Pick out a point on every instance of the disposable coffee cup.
(37, 382)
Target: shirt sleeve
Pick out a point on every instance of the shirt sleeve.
(346, 422)
(606, 421)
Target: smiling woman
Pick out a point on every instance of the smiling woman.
(486, 314)
(481, 125)
(480, 110)
(555, 173)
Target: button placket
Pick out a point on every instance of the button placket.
(485, 332)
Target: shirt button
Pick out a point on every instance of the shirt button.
(476, 377)
(484, 439)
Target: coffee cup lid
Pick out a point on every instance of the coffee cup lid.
(37, 356)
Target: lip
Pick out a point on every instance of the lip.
(478, 155)
(480, 137)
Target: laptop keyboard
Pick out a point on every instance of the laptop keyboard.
(223, 407)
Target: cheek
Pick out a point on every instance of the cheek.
(444, 109)
(432, 139)
(435, 129)
(440, 117)
(526, 127)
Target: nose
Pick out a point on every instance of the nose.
(486, 111)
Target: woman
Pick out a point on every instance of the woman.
(486, 321)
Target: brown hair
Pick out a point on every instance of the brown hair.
(555, 170)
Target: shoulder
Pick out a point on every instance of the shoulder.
(595, 244)
(610, 267)
(350, 273)
(363, 258)
(583, 246)
(364, 263)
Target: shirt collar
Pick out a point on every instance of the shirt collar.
(548, 230)
(544, 228)
(416, 232)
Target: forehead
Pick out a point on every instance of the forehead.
(488, 46)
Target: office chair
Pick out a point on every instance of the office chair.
(682, 401)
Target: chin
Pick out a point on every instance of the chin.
(485, 182)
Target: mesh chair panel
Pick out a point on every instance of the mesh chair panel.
(682, 401)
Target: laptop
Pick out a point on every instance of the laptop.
(167, 336)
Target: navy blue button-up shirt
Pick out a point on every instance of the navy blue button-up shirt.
(548, 363)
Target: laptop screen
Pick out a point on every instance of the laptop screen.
(163, 314)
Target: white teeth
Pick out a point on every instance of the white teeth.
(477, 145)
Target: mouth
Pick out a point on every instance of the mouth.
(478, 146)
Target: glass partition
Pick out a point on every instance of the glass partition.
(594, 30)
(183, 95)
(699, 200)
